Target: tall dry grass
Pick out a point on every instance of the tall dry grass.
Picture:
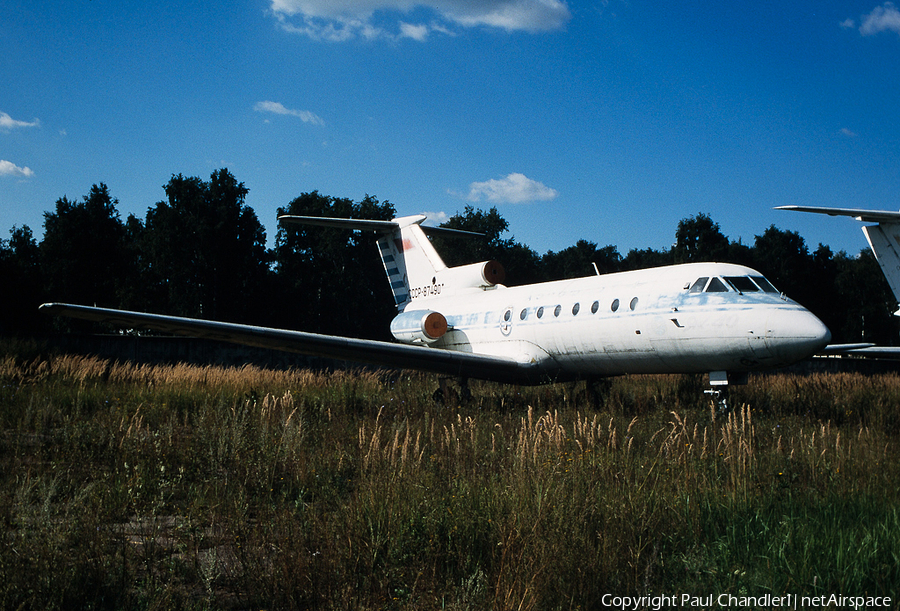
(127, 486)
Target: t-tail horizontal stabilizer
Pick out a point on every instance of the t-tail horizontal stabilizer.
(413, 267)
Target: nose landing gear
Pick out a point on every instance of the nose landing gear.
(719, 381)
(720, 397)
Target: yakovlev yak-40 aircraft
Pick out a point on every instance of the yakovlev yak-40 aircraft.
(716, 318)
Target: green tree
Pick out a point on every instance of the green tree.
(20, 271)
(203, 250)
(577, 261)
(782, 256)
(135, 290)
(647, 257)
(332, 280)
(820, 270)
(698, 239)
(864, 302)
(739, 253)
(83, 253)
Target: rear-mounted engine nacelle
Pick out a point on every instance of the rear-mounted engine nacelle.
(419, 326)
(474, 275)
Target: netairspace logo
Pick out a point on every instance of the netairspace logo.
(729, 601)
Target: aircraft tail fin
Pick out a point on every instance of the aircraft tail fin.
(414, 268)
(410, 261)
(884, 240)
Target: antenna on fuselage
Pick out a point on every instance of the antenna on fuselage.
(596, 271)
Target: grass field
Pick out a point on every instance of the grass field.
(160, 487)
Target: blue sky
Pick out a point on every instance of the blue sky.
(608, 121)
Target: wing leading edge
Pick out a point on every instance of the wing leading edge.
(867, 216)
(344, 348)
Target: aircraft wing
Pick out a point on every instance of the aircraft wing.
(868, 216)
(846, 348)
(862, 349)
(401, 356)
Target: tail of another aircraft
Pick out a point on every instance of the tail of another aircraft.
(413, 267)
(884, 238)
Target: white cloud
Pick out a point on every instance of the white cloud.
(848, 132)
(416, 32)
(510, 15)
(7, 122)
(280, 109)
(514, 189)
(339, 20)
(885, 18)
(435, 218)
(8, 168)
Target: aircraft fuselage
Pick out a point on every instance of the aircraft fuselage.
(645, 321)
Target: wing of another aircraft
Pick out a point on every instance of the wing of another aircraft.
(867, 216)
(401, 356)
(862, 349)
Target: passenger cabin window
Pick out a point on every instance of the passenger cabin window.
(716, 286)
(540, 312)
(575, 309)
(557, 310)
(594, 307)
(615, 305)
(698, 285)
(523, 314)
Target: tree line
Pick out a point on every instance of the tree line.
(202, 252)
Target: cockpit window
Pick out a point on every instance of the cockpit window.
(764, 284)
(716, 286)
(724, 284)
(742, 284)
(698, 285)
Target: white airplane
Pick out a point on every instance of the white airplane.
(722, 319)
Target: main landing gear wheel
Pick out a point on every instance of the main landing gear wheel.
(447, 395)
(596, 391)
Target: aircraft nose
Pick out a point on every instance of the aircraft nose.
(812, 332)
(797, 335)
